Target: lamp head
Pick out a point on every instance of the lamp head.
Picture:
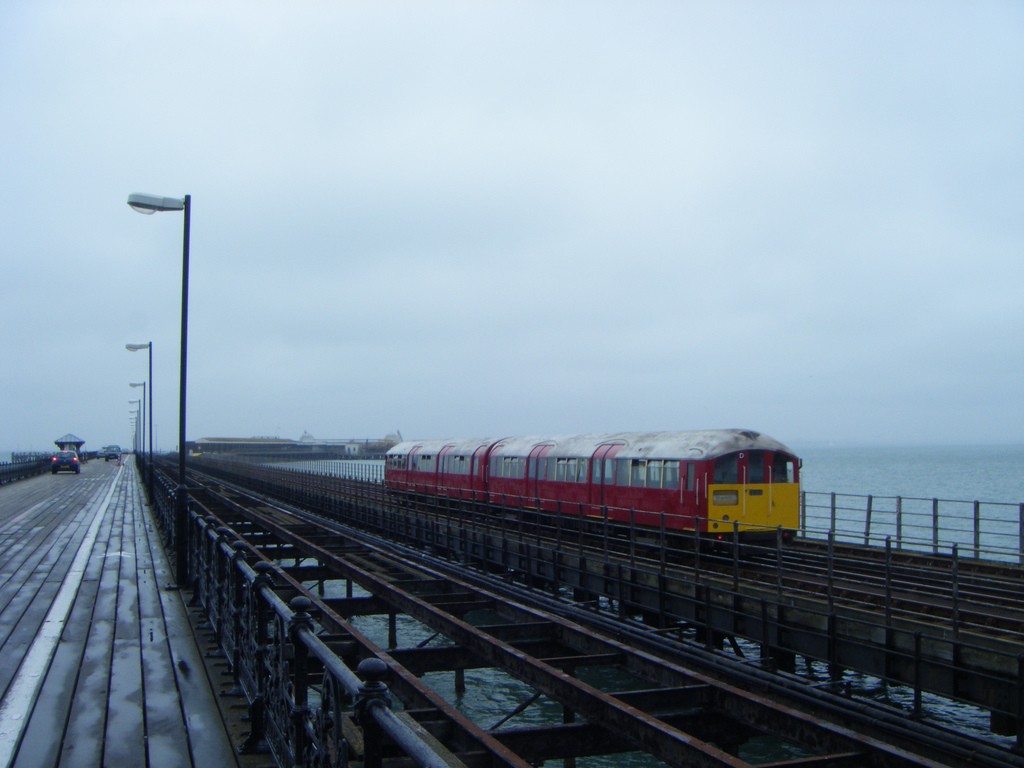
(137, 347)
(149, 204)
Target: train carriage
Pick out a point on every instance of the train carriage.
(715, 481)
(454, 468)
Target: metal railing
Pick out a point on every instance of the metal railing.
(977, 529)
(10, 471)
(298, 687)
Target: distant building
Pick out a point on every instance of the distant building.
(306, 448)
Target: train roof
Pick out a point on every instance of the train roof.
(698, 444)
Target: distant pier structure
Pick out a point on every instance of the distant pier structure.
(69, 443)
(306, 448)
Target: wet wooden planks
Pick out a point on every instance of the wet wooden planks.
(126, 684)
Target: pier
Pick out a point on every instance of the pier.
(263, 657)
(100, 663)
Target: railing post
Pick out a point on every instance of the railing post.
(300, 620)
(831, 569)
(1020, 534)
(867, 521)
(241, 551)
(373, 693)
(899, 522)
(258, 646)
(977, 529)
(956, 592)
(888, 582)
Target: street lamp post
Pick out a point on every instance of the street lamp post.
(149, 464)
(137, 413)
(149, 204)
(142, 412)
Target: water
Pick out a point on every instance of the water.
(969, 473)
(980, 490)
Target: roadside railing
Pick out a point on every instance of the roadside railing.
(10, 471)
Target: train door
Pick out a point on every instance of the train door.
(479, 471)
(688, 492)
(444, 485)
(602, 472)
(535, 469)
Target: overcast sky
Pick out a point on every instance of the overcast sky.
(463, 219)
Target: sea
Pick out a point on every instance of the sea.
(989, 473)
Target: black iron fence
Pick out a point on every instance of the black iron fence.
(21, 470)
(301, 687)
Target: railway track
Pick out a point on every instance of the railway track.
(968, 595)
(686, 708)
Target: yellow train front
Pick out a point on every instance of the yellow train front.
(754, 491)
(722, 483)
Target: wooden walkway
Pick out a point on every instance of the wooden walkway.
(99, 664)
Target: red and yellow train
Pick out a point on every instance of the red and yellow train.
(714, 481)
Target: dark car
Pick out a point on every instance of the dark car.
(109, 452)
(65, 460)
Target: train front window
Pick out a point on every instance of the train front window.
(783, 469)
(727, 469)
(755, 467)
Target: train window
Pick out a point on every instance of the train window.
(509, 467)
(637, 473)
(654, 474)
(727, 469)
(670, 477)
(548, 469)
(755, 467)
(782, 469)
(691, 472)
(609, 471)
